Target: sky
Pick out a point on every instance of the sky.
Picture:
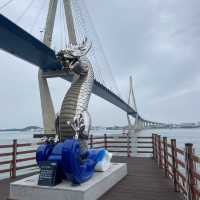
(155, 41)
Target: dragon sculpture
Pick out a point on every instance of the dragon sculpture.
(74, 119)
(75, 161)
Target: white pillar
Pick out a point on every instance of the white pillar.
(48, 113)
(70, 22)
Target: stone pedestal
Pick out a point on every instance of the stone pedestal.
(100, 183)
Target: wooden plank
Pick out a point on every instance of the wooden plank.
(144, 142)
(98, 142)
(118, 151)
(28, 144)
(144, 137)
(6, 146)
(4, 171)
(115, 146)
(6, 154)
(145, 152)
(25, 152)
(145, 147)
(26, 166)
(5, 162)
(25, 159)
(118, 142)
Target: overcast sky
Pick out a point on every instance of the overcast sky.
(155, 41)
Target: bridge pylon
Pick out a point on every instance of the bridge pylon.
(139, 124)
(48, 113)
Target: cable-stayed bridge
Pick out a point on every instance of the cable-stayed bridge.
(77, 23)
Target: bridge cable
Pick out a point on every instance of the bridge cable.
(88, 26)
(37, 16)
(81, 32)
(25, 11)
(5, 4)
(81, 26)
(43, 26)
(60, 24)
(64, 25)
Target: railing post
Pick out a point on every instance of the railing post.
(190, 167)
(153, 145)
(159, 151)
(105, 141)
(91, 141)
(174, 164)
(156, 148)
(128, 145)
(14, 157)
(165, 156)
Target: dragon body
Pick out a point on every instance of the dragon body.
(74, 119)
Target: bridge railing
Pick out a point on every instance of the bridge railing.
(19, 158)
(124, 144)
(118, 145)
(179, 165)
(144, 146)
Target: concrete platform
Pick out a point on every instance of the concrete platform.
(100, 183)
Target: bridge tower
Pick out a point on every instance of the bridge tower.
(48, 113)
(139, 124)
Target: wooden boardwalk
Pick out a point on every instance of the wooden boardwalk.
(144, 182)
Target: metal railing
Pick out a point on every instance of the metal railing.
(14, 157)
(17, 153)
(179, 165)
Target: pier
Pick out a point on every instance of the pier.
(157, 169)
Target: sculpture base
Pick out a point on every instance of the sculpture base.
(100, 183)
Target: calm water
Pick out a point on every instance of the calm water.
(181, 135)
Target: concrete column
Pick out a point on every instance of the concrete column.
(129, 122)
(70, 22)
(48, 113)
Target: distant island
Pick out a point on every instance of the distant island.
(28, 128)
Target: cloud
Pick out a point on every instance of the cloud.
(156, 42)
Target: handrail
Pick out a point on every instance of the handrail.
(173, 165)
(6, 146)
(17, 153)
(13, 152)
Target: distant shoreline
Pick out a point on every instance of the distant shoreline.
(37, 128)
(28, 128)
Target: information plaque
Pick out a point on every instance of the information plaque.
(49, 175)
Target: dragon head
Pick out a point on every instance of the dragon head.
(70, 57)
(79, 50)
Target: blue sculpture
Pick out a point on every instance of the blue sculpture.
(73, 165)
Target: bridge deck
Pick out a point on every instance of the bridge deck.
(144, 182)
